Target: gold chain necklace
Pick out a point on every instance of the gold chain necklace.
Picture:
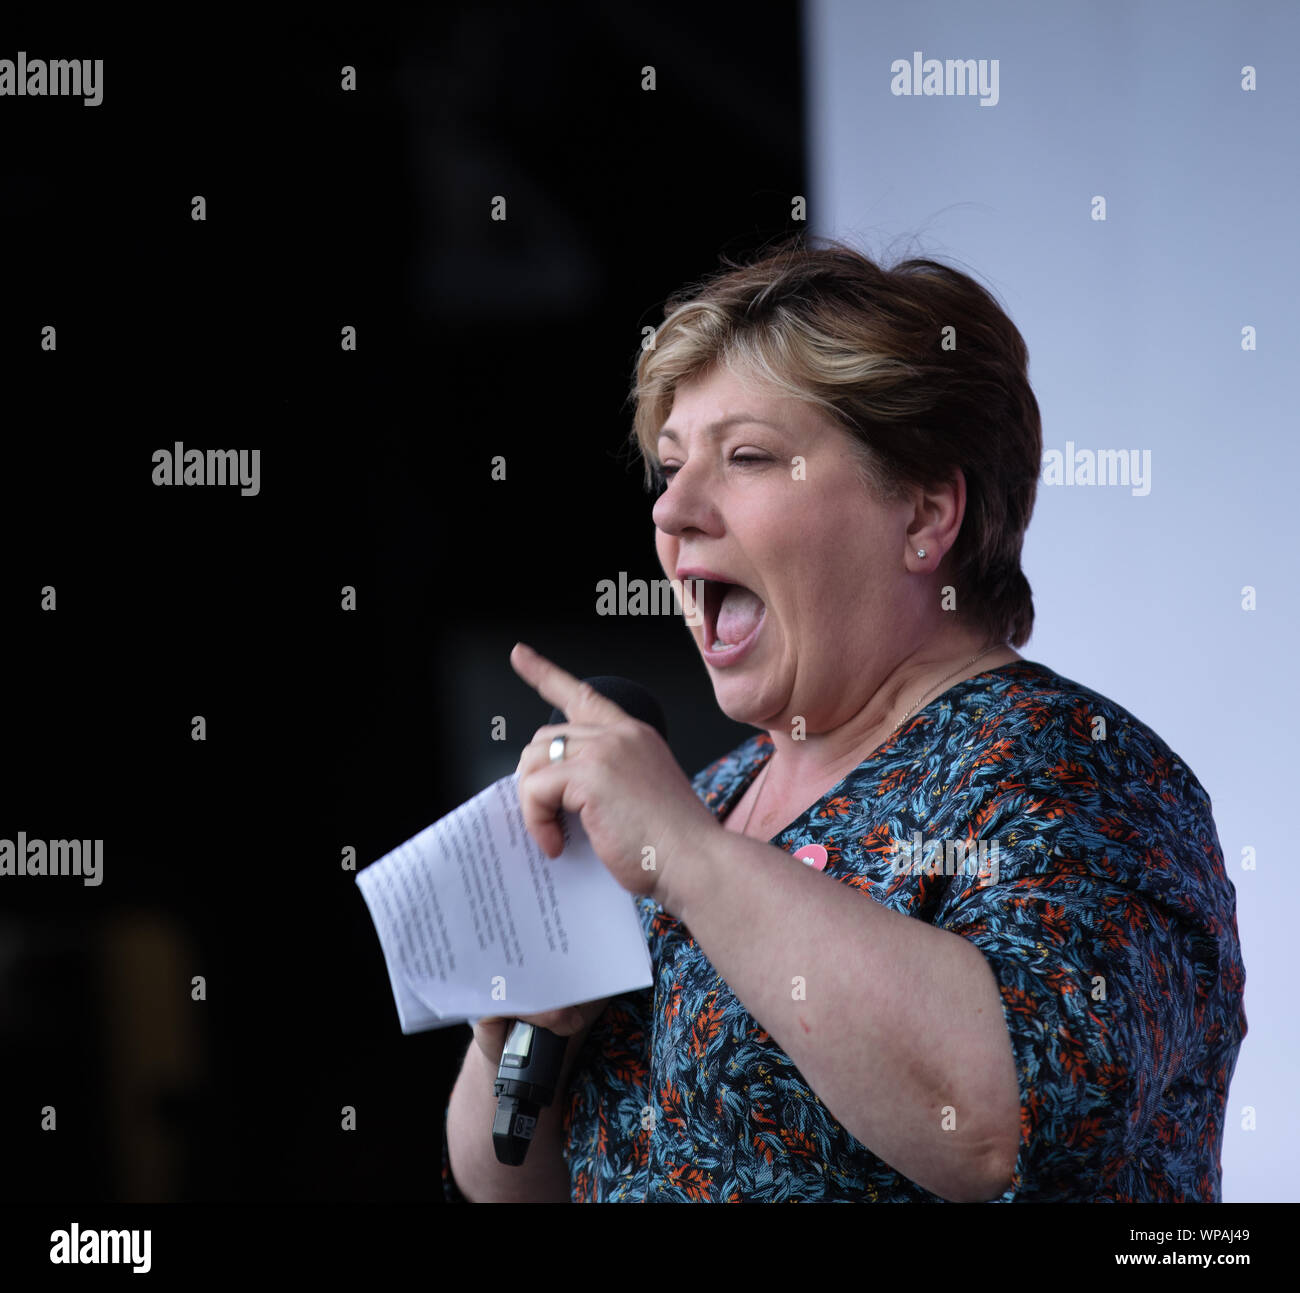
(959, 669)
(759, 791)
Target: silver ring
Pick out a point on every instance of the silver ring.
(557, 747)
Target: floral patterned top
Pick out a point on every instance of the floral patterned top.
(1061, 836)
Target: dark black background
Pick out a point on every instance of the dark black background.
(324, 728)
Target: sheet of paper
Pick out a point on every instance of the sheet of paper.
(474, 919)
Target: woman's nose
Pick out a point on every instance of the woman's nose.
(684, 504)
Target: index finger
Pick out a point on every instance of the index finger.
(580, 702)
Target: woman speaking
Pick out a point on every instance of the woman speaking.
(949, 926)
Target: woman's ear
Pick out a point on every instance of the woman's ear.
(937, 514)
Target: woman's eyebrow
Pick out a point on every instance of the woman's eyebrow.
(713, 429)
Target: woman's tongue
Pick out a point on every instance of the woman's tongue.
(738, 615)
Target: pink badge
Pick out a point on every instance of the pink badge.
(812, 855)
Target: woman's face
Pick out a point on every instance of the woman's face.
(829, 608)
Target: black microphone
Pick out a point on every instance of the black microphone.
(532, 1058)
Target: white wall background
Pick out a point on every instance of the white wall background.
(1134, 327)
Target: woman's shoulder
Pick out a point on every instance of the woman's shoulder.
(1028, 729)
(1024, 710)
(1021, 733)
(1053, 723)
(1069, 773)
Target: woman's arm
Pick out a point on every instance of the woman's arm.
(899, 1027)
(896, 1025)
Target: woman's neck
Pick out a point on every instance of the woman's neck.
(804, 761)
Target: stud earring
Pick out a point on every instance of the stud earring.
(920, 552)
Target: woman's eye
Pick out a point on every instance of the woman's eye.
(665, 473)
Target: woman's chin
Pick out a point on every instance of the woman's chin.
(749, 718)
(743, 700)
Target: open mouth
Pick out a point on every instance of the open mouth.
(731, 617)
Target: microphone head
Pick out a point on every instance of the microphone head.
(632, 698)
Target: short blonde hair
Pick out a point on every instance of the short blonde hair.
(867, 345)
